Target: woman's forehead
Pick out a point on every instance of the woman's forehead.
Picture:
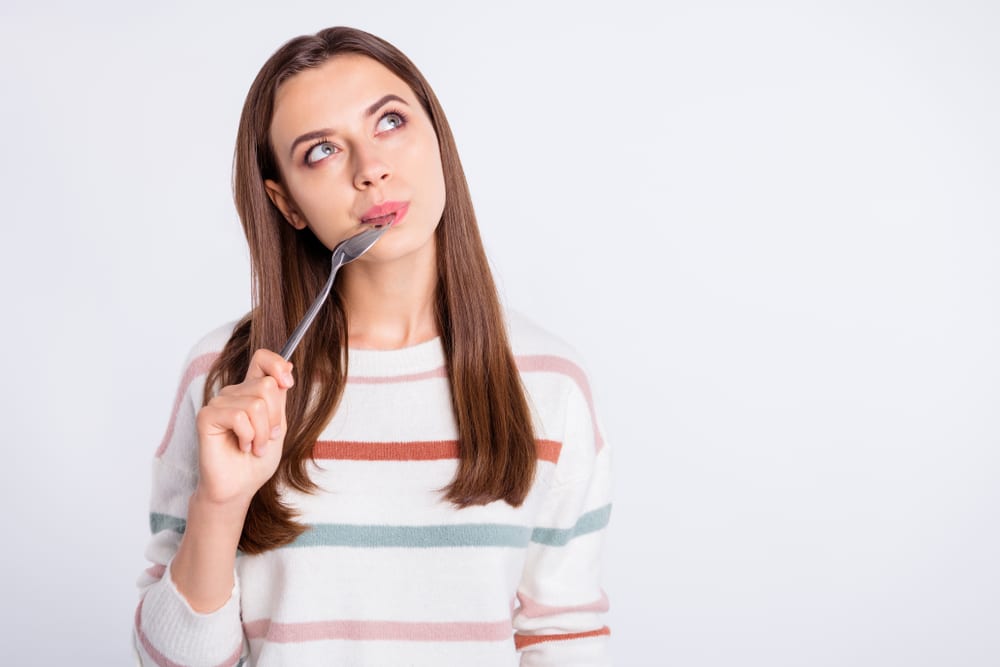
(346, 80)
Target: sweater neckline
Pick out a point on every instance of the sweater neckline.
(422, 357)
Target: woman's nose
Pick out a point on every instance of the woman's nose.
(370, 169)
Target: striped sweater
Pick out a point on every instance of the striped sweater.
(389, 573)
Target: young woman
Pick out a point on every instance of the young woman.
(425, 483)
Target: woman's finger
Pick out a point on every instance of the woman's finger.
(258, 414)
(268, 389)
(267, 363)
(217, 419)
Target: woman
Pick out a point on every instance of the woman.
(425, 482)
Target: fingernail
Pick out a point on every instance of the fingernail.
(289, 380)
(275, 432)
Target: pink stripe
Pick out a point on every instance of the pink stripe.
(377, 630)
(552, 364)
(394, 379)
(162, 660)
(534, 363)
(198, 366)
(529, 363)
(533, 609)
(156, 571)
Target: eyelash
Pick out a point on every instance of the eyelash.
(388, 112)
(309, 150)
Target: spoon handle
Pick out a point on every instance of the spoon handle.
(307, 319)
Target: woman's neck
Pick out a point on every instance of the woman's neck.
(391, 304)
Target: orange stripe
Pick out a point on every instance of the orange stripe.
(432, 450)
(548, 450)
(523, 641)
(386, 451)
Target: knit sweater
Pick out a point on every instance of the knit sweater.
(388, 572)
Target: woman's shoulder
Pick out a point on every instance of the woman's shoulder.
(212, 342)
(555, 378)
(536, 348)
(529, 338)
(202, 354)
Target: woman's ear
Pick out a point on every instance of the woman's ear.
(284, 203)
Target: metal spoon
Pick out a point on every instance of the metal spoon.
(346, 252)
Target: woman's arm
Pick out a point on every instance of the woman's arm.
(210, 464)
(202, 569)
(560, 618)
(240, 437)
(169, 629)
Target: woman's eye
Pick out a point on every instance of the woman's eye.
(390, 121)
(320, 151)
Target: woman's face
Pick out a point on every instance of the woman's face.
(356, 149)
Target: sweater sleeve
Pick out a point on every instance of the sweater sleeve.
(560, 617)
(167, 631)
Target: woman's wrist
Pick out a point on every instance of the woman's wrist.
(202, 569)
(214, 510)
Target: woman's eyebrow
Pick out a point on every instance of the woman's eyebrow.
(388, 98)
(319, 134)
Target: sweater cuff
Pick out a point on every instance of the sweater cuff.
(588, 650)
(171, 632)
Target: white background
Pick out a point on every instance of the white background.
(771, 231)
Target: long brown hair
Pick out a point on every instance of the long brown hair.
(495, 438)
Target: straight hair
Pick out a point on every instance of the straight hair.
(496, 445)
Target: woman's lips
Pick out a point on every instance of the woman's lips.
(389, 212)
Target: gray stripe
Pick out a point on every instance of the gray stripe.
(590, 522)
(462, 535)
(158, 522)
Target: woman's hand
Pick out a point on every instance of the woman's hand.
(241, 432)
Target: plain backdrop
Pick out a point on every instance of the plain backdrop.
(771, 230)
